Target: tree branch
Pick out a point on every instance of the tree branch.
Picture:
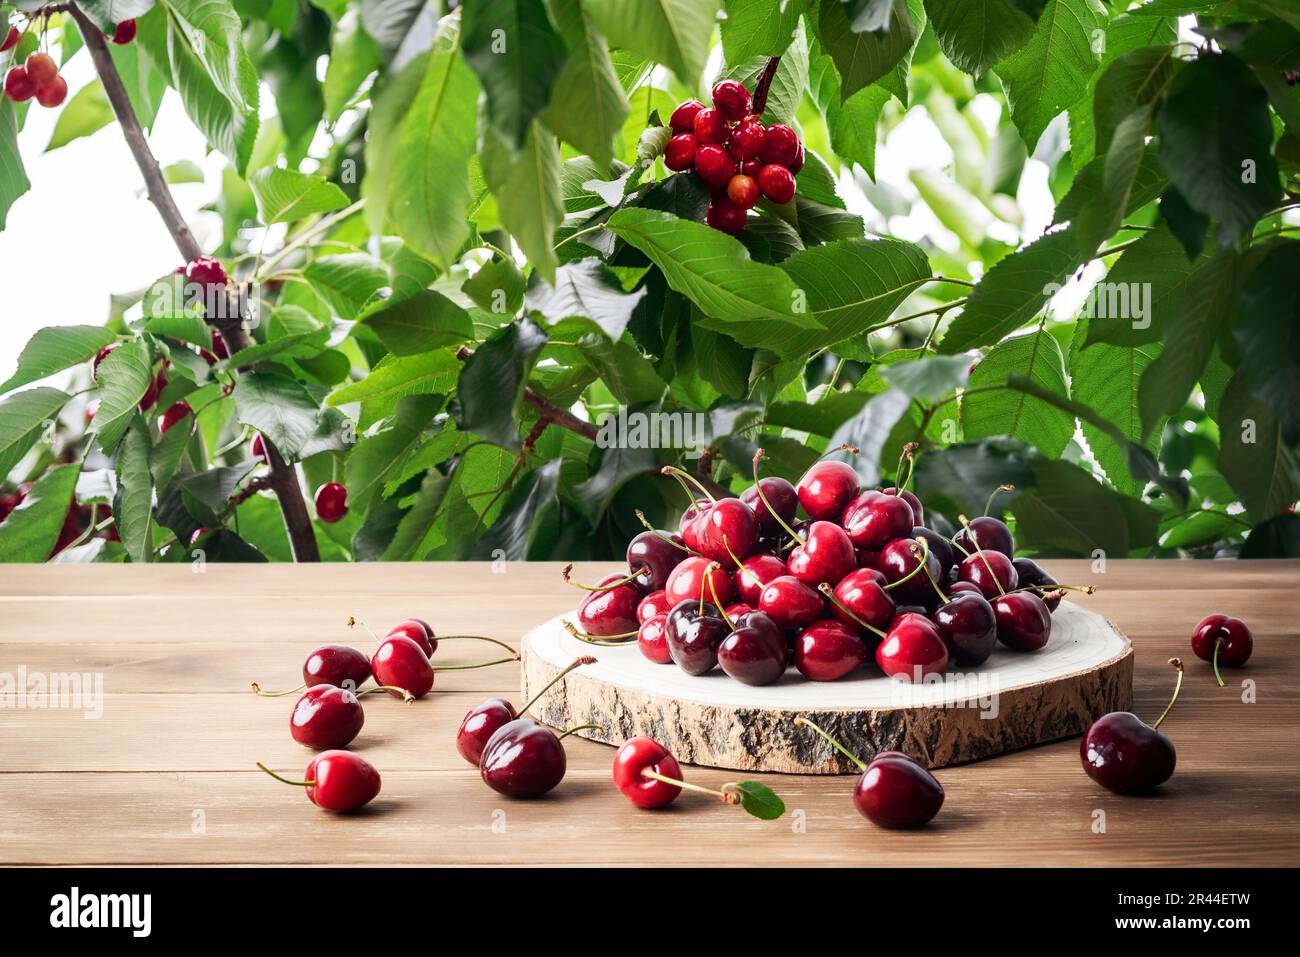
(284, 478)
(764, 84)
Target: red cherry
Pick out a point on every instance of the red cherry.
(740, 609)
(988, 533)
(747, 139)
(651, 638)
(755, 652)
(693, 632)
(680, 152)
(732, 99)
(124, 32)
(419, 631)
(1029, 573)
(751, 167)
(633, 759)
(780, 494)
(918, 510)
(790, 603)
(828, 650)
(1126, 755)
(697, 579)
(331, 502)
(53, 93)
(326, 717)
(912, 649)
(873, 520)
(1224, 641)
(862, 593)
(898, 560)
(711, 128)
(480, 724)
(726, 216)
(796, 164)
(991, 572)
(11, 40)
(969, 627)
(523, 759)
(18, 85)
(896, 792)
(219, 346)
(686, 527)
(777, 183)
(151, 394)
(743, 191)
(714, 165)
(258, 448)
(826, 489)
(754, 573)
(338, 781)
(401, 663)
(651, 557)
(101, 356)
(780, 145)
(610, 610)
(340, 665)
(41, 68)
(174, 414)
(728, 532)
(1024, 623)
(206, 272)
(826, 555)
(683, 118)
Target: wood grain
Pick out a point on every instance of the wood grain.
(166, 774)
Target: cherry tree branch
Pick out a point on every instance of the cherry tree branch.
(284, 477)
(764, 84)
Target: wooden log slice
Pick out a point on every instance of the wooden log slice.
(1011, 701)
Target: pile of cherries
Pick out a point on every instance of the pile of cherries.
(735, 155)
(38, 77)
(747, 585)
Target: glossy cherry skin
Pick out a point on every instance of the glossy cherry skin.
(873, 519)
(780, 145)
(207, 272)
(896, 792)
(896, 562)
(331, 502)
(732, 99)
(693, 635)
(53, 93)
(1024, 623)
(826, 556)
(679, 155)
(656, 556)
(988, 570)
(755, 652)
(401, 663)
(340, 665)
(828, 650)
(918, 510)
(728, 528)
(655, 603)
(478, 726)
(939, 546)
(1233, 636)
(790, 603)
(826, 489)
(747, 139)
(683, 118)
(754, 573)
(523, 759)
(1124, 754)
(638, 755)
(41, 68)
(711, 128)
(11, 40)
(861, 591)
(19, 87)
(714, 165)
(687, 525)
(780, 494)
(124, 32)
(692, 580)
(912, 649)
(419, 631)
(174, 415)
(776, 182)
(968, 626)
(326, 717)
(611, 611)
(343, 781)
(1029, 572)
(740, 609)
(652, 639)
(986, 532)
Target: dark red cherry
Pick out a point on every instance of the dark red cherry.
(679, 155)
(480, 724)
(732, 99)
(687, 525)
(124, 32)
(633, 759)
(712, 129)
(523, 759)
(207, 272)
(918, 510)
(651, 556)
(826, 556)
(754, 573)
(326, 717)
(739, 610)
(652, 639)
(1029, 572)
(747, 139)
(962, 588)
(419, 631)
(611, 610)
(990, 571)
(11, 40)
(698, 578)
(790, 603)
(726, 216)
(340, 665)
(862, 592)
(896, 792)
(1024, 623)
(338, 781)
(755, 651)
(897, 561)
(828, 650)
(655, 603)
(331, 502)
(257, 449)
(174, 415)
(826, 489)
(151, 394)
(400, 663)
(1124, 754)
(781, 495)
(683, 118)
(968, 627)
(912, 649)
(19, 87)
(1224, 641)
(874, 519)
(780, 145)
(939, 546)
(988, 533)
(693, 633)
(728, 529)
(714, 165)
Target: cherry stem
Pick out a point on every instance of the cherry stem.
(678, 474)
(576, 663)
(980, 552)
(920, 565)
(1086, 589)
(758, 487)
(568, 569)
(481, 664)
(839, 747)
(406, 695)
(257, 690)
(623, 639)
(1218, 643)
(583, 727)
(995, 493)
(494, 641)
(660, 535)
(826, 590)
(283, 780)
(928, 574)
(724, 796)
(845, 447)
(1178, 664)
(708, 577)
(353, 622)
(909, 450)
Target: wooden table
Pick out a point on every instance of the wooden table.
(167, 774)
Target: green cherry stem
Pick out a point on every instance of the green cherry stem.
(257, 690)
(494, 641)
(1178, 686)
(640, 515)
(995, 493)
(568, 570)
(726, 797)
(481, 664)
(283, 780)
(920, 565)
(679, 474)
(1218, 643)
(917, 554)
(582, 727)
(708, 577)
(758, 487)
(826, 590)
(406, 695)
(980, 552)
(576, 663)
(908, 458)
(591, 639)
(801, 720)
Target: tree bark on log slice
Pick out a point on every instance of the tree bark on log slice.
(1011, 701)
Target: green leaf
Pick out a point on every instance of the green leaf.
(1051, 72)
(965, 475)
(1100, 219)
(428, 321)
(589, 289)
(106, 14)
(13, 178)
(491, 385)
(124, 376)
(379, 456)
(1134, 81)
(1006, 412)
(349, 282)
(975, 34)
(55, 349)
(1014, 291)
(865, 58)
(24, 416)
(170, 310)
(87, 112)
(588, 106)
(1255, 458)
(759, 800)
(498, 287)
(133, 503)
(31, 530)
(754, 28)
(672, 32)
(851, 122)
(788, 84)
(286, 196)
(165, 457)
(1089, 187)
(527, 189)
(1201, 528)
(618, 466)
(1268, 316)
(515, 528)
(397, 376)
(1277, 538)
(1069, 513)
(286, 414)
(929, 379)
(1154, 272)
(354, 56)
(1216, 142)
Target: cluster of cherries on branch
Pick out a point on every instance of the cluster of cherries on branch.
(734, 154)
(38, 77)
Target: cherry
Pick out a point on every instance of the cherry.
(151, 394)
(419, 631)
(523, 759)
(337, 781)
(206, 272)
(697, 579)
(912, 649)
(609, 609)
(679, 155)
(727, 532)
(693, 632)
(1223, 641)
(991, 572)
(339, 665)
(824, 556)
(939, 546)
(401, 663)
(796, 164)
(894, 791)
(11, 40)
(790, 603)
(860, 597)
(751, 167)
(100, 356)
(905, 573)
(331, 502)
(732, 99)
(688, 524)
(755, 652)
(1024, 623)
(711, 128)
(652, 556)
(918, 510)
(747, 139)
(174, 415)
(655, 603)
(969, 627)
(987, 533)
(874, 519)
(1029, 574)
(53, 93)
(743, 191)
(683, 118)
(124, 32)
(726, 216)
(19, 87)
(756, 572)
(777, 505)
(41, 68)
(219, 346)
(827, 650)
(633, 760)
(780, 145)
(258, 448)
(738, 610)
(652, 639)
(327, 717)
(485, 719)
(714, 165)
(776, 183)
(1124, 754)
(826, 489)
